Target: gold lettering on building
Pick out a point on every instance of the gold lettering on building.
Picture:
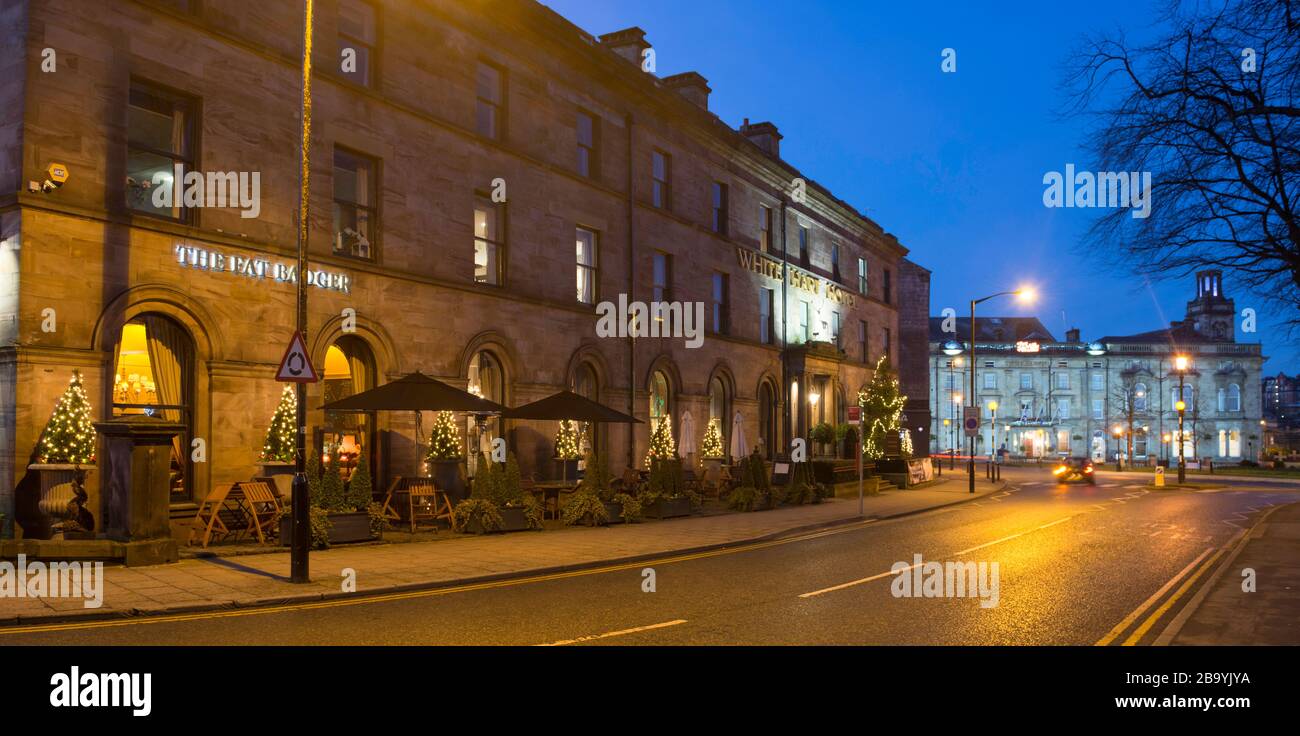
(768, 267)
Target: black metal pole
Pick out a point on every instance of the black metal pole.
(301, 537)
(970, 400)
(1182, 443)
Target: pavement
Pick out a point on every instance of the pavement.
(1225, 612)
(240, 581)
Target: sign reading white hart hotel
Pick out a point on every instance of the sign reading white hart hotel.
(258, 268)
(771, 268)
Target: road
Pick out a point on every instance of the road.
(1076, 565)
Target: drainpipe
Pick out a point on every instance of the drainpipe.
(785, 364)
(631, 281)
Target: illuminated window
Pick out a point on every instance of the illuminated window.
(489, 241)
(160, 135)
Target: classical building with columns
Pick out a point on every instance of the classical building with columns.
(484, 176)
(1068, 397)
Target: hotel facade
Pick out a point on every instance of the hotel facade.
(1067, 397)
(484, 175)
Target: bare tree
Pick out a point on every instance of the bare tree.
(1212, 110)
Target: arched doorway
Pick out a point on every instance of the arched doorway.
(720, 410)
(153, 374)
(487, 379)
(767, 418)
(585, 384)
(349, 369)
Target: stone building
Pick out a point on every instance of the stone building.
(1067, 397)
(484, 176)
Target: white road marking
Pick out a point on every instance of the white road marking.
(852, 583)
(622, 632)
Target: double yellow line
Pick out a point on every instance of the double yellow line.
(1196, 568)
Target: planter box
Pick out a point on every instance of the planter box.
(58, 489)
(669, 508)
(614, 511)
(282, 475)
(512, 520)
(351, 526)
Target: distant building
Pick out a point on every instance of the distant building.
(1066, 397)
(1281, 394)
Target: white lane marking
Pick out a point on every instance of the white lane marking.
(622, 632)
(860, 581)
(852, 583)
(1129, 619)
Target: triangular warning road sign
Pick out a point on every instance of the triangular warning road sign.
(295, 366)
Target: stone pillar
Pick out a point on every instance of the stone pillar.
(136, 487)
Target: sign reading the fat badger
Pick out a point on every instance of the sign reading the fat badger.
(258, 268)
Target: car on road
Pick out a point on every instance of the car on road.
(1075, 468)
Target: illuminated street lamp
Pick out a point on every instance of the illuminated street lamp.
(1118, 432)
(1181, 364)
(1026, 294)
(993, 427)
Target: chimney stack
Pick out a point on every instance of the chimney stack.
(763, 135)
(628, 43)
(1072, 334)
(692, 86)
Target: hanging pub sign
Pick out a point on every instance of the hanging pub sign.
(255, 267)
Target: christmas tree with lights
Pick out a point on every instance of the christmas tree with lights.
(69, 437)
(882, 409)
(661, 441)
(711, 445)
(566, 442)
(280, 445)
(444, 440)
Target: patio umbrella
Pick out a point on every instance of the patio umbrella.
(568, 405)
(686, 437)
(739, 448)
(415, 392)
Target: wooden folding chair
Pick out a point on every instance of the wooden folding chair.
(390, 512)
(208, 518)
(428, 503)
(263, 508)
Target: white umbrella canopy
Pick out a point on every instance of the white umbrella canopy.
(739, 447)
(686, 437)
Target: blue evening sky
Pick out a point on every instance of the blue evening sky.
(952, 164)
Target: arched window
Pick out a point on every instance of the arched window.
(349, 369)
(1234, 397)
(487, 380)
(153, 369)
(584, 385)
(720, 409)
(660, 400)
(767, 418)
(1140, 397)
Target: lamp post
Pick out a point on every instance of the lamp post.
(1118, 432)
(1164, 442)
(1026, 294)
(993, 429)
(301, 509)
(1181, 363)
(952, 349)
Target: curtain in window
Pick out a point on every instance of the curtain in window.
(169, 358)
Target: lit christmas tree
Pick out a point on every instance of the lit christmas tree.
(711, 445)
(444, 440)
(661, 441)
(69, 437)
(566, 442)
(882, 409)
(280, 445)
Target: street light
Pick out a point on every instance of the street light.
(1025, 294)
(1118, 431)
(1181, 364)
(993, 427)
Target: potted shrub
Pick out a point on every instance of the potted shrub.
(711, 446)
(567, 453)
(822, 435)
(280, 446)
(340, 513)
(444, 456)
(65, 453)
(804, 487)
(497, 501)
(666, 496)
